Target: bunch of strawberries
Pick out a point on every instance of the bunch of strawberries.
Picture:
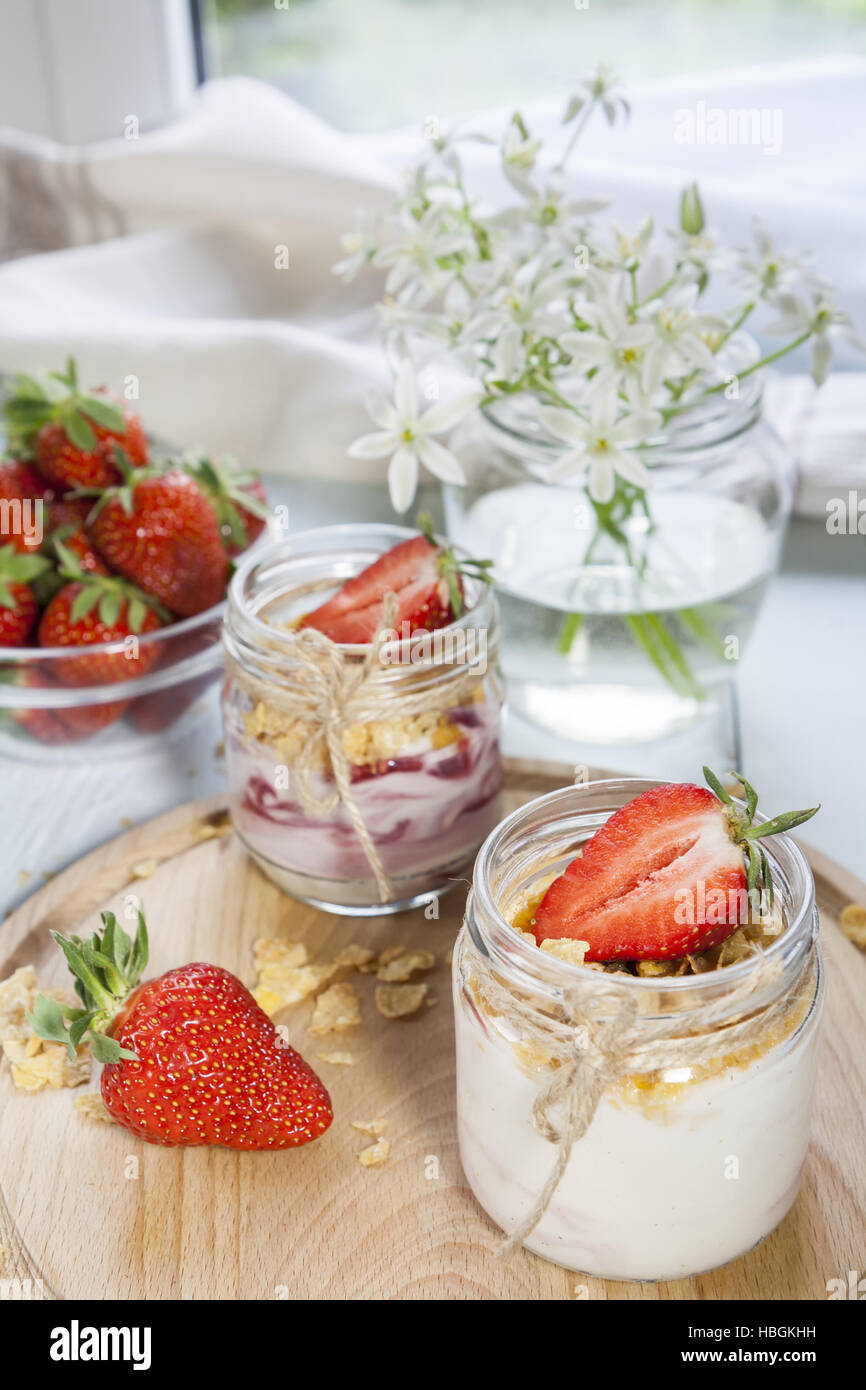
(126, 545)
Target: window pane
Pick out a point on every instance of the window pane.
(373, 64)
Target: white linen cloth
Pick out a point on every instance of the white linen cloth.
(155, 258)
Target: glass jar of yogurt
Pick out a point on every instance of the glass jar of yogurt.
(361, 781)
(697, 1087)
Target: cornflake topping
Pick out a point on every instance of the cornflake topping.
(572, 952)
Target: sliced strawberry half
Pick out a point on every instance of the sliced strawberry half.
(663, 876)
(426, 578)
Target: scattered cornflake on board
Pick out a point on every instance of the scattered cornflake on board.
(146, 869)
(375, 1154)
(375, 1128)
(401, 968)
(90, 1106)
(16, 998)
(355, 957)
(391, 953)
(852, 920)
(284, 973)
(37, 1064)
(398, 1001)
(338, 1059)
(337, 1009)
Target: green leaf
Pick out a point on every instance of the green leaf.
(107, 1049)
(135, 613)
(140, 951)
(691, 211)
(715, 785)
(84, 602)
(766, 875)
(79, 431)
(751, 869)
(46, 1020)
(109, 607)
(751, 796)
(780, 824)
(104, 413)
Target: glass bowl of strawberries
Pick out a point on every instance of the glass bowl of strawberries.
(114, 563)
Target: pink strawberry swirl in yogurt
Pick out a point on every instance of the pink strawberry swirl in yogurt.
(426, 810)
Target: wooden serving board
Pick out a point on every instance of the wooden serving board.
(94, 1213)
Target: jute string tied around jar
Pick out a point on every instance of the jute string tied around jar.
(331, 691)
(598, 1035)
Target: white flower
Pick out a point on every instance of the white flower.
(681, 339)
(614, 345)
(603, 86)
(627, 252)
(405, 434)
(604, 444)
(558, 216)
(519, 152)
(534, 300)
(360, 247)
(697, 252)
(822, 321)
(414, 261)
(765, 270)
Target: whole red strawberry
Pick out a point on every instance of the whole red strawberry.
(237, 496)
(73, 434)
(160, 531)
(668, 875)
(92, 610)
(189, 1058)
(22, 506)
(18, 605)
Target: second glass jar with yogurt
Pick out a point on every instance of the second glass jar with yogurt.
(697, 1136)
(362, 782)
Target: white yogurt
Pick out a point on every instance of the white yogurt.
(652, 1191)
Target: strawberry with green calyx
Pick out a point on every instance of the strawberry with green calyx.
(19, 607)
(426, 578)
(453, 570)
(188, 1058)
(73, 542)
(236, 495)
(158, 529)
(93, 609)
(664, 877)
(70, 432)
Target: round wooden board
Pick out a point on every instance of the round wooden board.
(94, 1213)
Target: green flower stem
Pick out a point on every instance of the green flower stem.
(657, 629)
(723, 385)
(692, 619)
(580, 121)
(568, 632)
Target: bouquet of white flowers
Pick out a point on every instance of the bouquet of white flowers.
(602, 336)
(604, 328)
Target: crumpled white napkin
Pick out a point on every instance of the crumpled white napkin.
(156, 259)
